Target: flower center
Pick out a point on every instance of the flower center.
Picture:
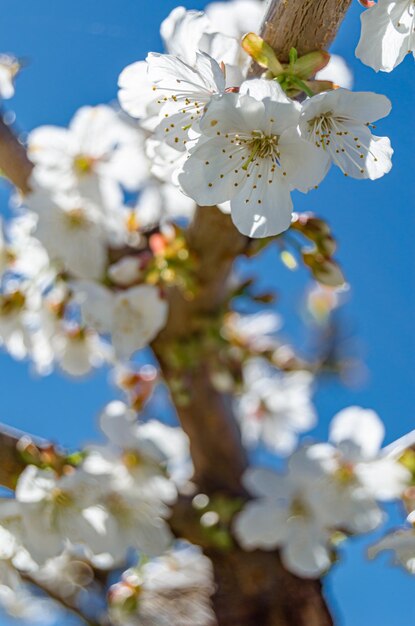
(83, 164)
(76, 218)
(261, 146)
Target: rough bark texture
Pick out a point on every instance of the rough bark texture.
(263, 593)
(306, 25)
(253, 589)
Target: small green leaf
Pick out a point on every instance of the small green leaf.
(293, 56)
(308, 65)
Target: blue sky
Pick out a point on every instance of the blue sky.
(76, 51)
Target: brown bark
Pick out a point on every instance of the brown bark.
(14, 162)
(306, 25)
(253, 589)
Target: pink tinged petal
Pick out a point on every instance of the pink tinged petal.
(261, 524)
(357, 432)
(213, 172)
(304, 164)
(262, 206)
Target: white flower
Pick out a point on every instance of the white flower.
(275, 407)
(251, 154)
(172, 589)
(72, 231)
(134, 500)
(358, 434)
(291, 512)
(9, 67)
(150, 441)
(77, 351)
(338, 124)
(96, 151)
(337, 71)
(58, 511)
(17, 304)
(388, 34)
(179, 569)
(184, 91)
(133, 317)
(256, 331)
(402, 545)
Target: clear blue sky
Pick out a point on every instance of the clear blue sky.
(76, 50)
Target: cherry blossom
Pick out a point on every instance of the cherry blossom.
(275, 407)
(9, 68)
(290, 512)
(251, 154)
(338, 124)
(184, 92)
(132, 317)
(401, 544)
(97, 151)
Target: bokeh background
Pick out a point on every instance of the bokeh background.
(75, 52)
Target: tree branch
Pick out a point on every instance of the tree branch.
(306, 25)
(14, 162)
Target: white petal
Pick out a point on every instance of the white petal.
(304, 164)
(385, 479)
(357, 432)
(136, 90)
(213, 172)
(307, 553)
(261, 524)
(260, 88)
(263, 205)
(381, 45)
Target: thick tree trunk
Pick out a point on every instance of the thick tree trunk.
(253, 589)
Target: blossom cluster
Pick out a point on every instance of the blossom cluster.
(245, 143)
(86, 265)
